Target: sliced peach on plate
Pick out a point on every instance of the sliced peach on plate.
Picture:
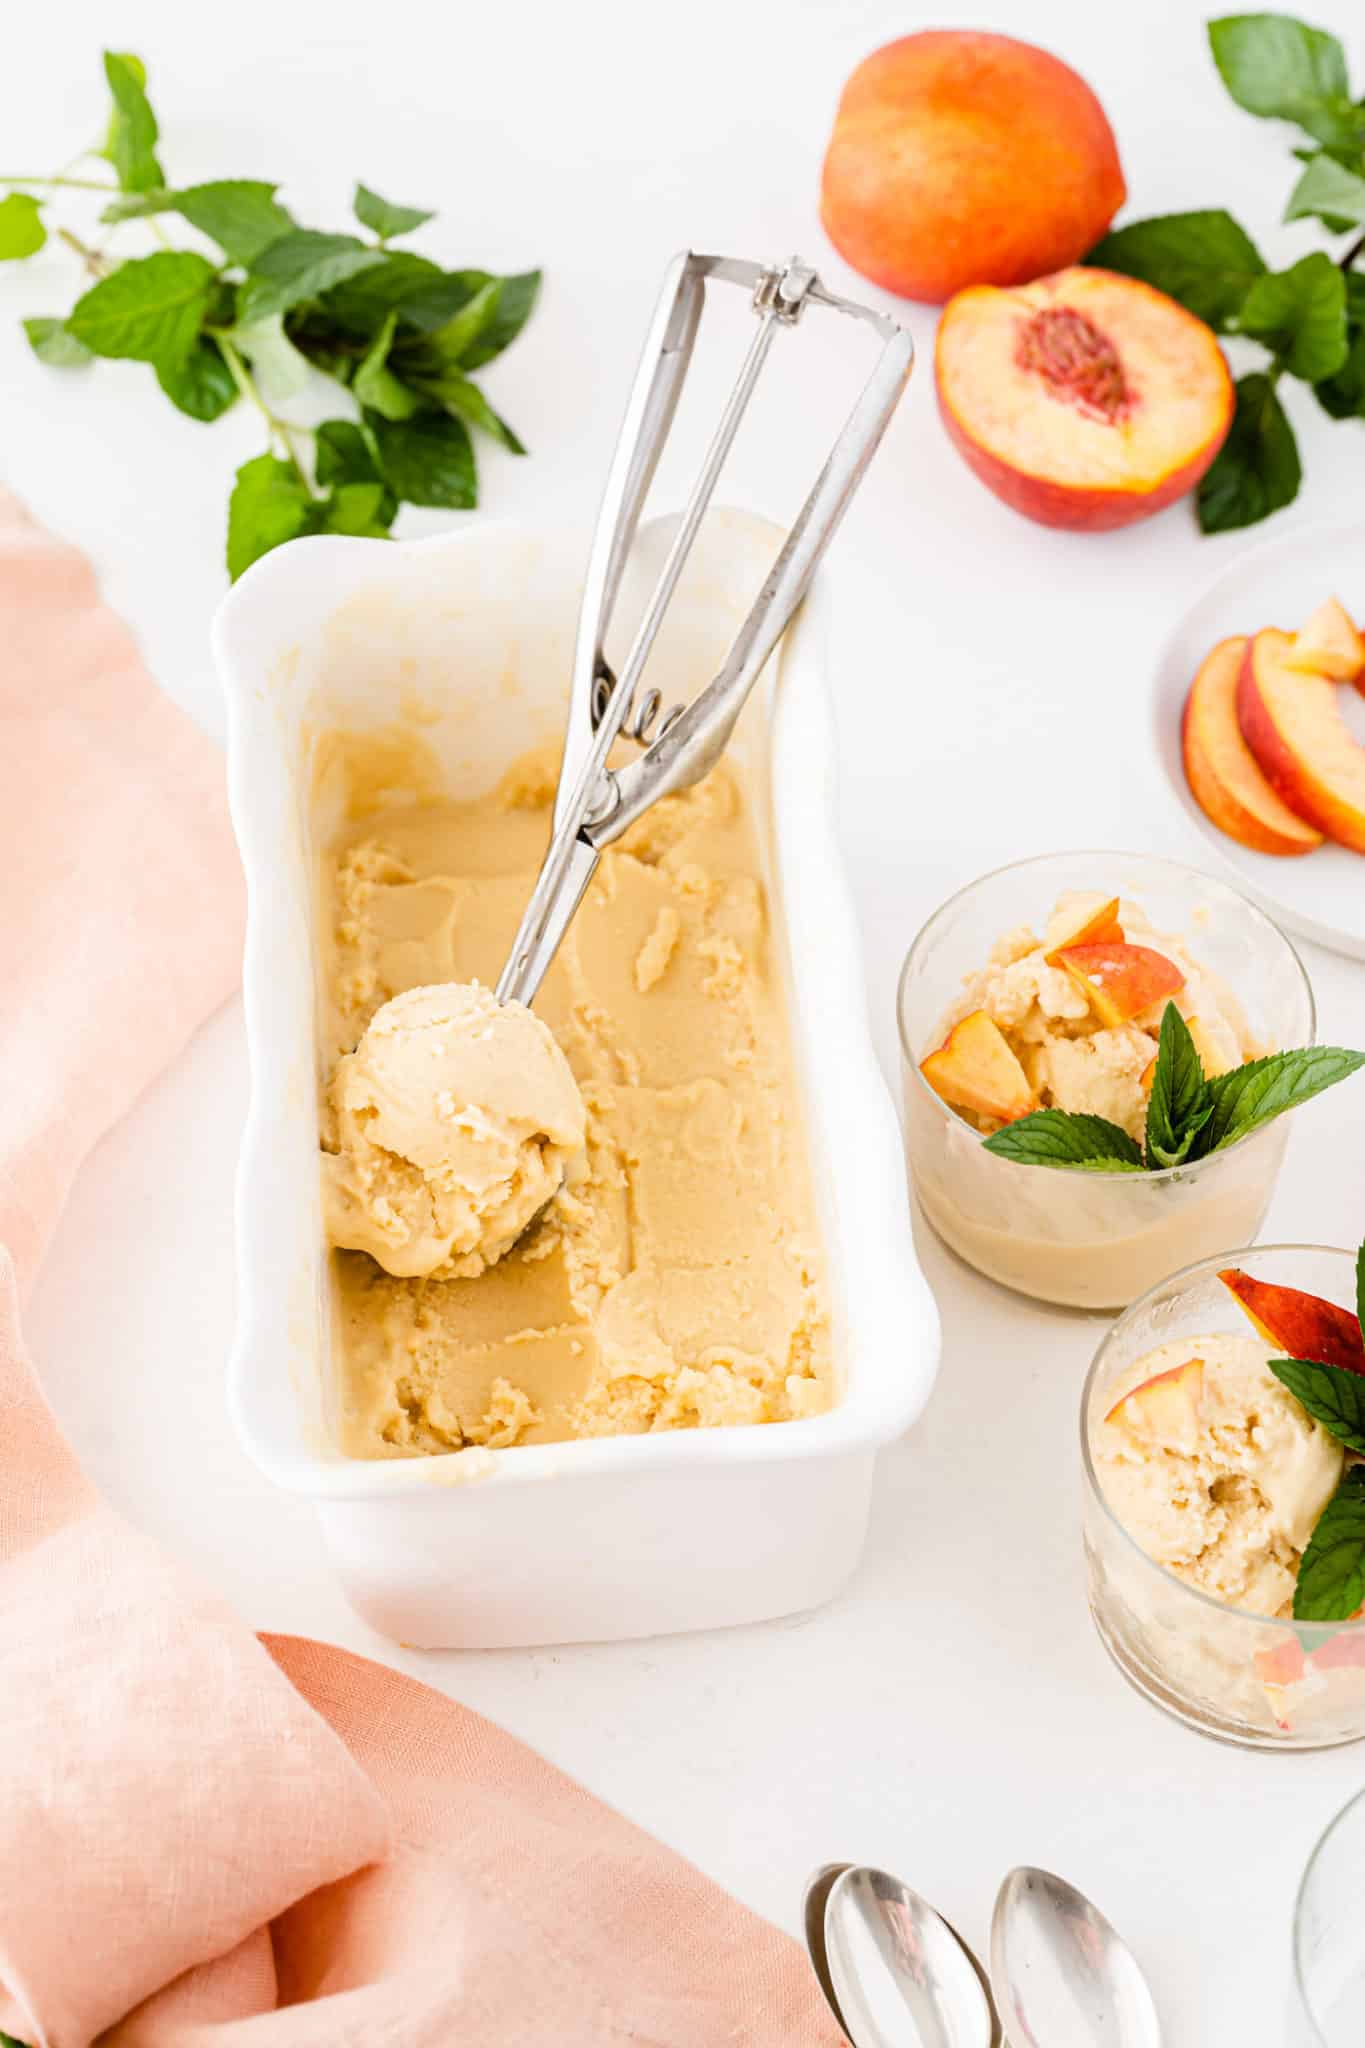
(1224, 777)
(1300, 1325)
(1085, 399)
(1327, 644)
(1120, 981)
(975, 1069)
(1094, 928)
(1293, 725)
(1166, 1406)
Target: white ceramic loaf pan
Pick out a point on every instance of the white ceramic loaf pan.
(469, 637)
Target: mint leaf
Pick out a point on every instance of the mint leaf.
(344, 455)
(384, 219)
(270, 504)
(21, 227)
(151, 309)
(1280, 69)
(516, 302)
(361, 304)
(366, 510)
(375, 385)
(202, 386)
(278, 368)
(1256, 1094)
(130, 144)
(1300, 315)
(1343, 397)
(1333, 1396)
(1202, 259)
(1179, 1105)
(426, 460)
(1055, 1137)
(1331, 1583)
(301, 265)
(1257, 469)
(53, 342)
(1327, 191)
(453, 390)
(450, 344)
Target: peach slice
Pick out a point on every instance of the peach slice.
(975, 1069)
(1301, 1325)
(1097, 928)
(1084, 399)
(1166, 1406)
(1327, 644)
(1293, 725)
(1147, 1076)
(1210, 1059)
(1120, 981)
(1224, 776)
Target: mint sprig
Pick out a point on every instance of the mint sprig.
(1332, 1394)
(1188, 1115)
(274, 303)
(1058, 1137)
(1331, 1581)
(1309, 318)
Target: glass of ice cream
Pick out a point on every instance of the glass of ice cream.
(1204, 1480)
(1089, 1240)
(1328, 1994)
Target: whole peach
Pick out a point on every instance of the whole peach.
(964, 158)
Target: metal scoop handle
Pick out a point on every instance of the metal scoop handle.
(595, 805)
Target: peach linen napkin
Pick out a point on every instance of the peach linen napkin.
(209, 1840)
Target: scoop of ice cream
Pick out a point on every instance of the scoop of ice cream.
(457, 1117)
(1223, 1476)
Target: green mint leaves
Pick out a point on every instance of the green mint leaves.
(1333, 1396)
(1188, 1115)
(1055, 1137)
(1310, 318)
(1331, 1582)
(261, 307)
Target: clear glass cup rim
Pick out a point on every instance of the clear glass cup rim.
(1185, 1275)
(1339, 1819)
(1176, 869)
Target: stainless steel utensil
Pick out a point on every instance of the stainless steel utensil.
(1063, 1977)
(813, 1906)
(898, 1974)
(595, 804)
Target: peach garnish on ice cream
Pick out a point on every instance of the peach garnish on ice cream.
(1211, 1059)
(1120, 981)
(1302, 1325)
(1225, 778)
(1097, 927)
(1293, 725)
(960, 157)
(1083, 400)
(1165, 1407)
(1327, 644)
(975, 1069)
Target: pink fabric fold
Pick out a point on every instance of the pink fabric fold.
(207, 1840)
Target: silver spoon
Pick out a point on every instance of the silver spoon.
(1061, 1972)
(898, 1975)
(813, 1917)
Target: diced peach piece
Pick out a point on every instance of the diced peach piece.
(1225, 778)
(1147, 1076)
(1284, 1665)
(1166, 1406)
(975, 1069)
(1300, 1325)
(1293, 725)
(1098, 928)
(1327, 644)
(1210, 1058)
(1120, 981)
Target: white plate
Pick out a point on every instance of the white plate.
(1322, 894)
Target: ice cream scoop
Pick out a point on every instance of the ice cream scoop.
(457, 1117)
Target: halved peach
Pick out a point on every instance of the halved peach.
(1224, 777)
(1293, 725)
(1302, 1325)
(1327, 644)
(1120, 981)
(1096, 928)
(975, 1069)
(1166, 1406)
(1084, 399)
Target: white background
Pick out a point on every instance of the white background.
(952, 1714)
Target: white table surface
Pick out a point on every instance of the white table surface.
(952, 1714)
